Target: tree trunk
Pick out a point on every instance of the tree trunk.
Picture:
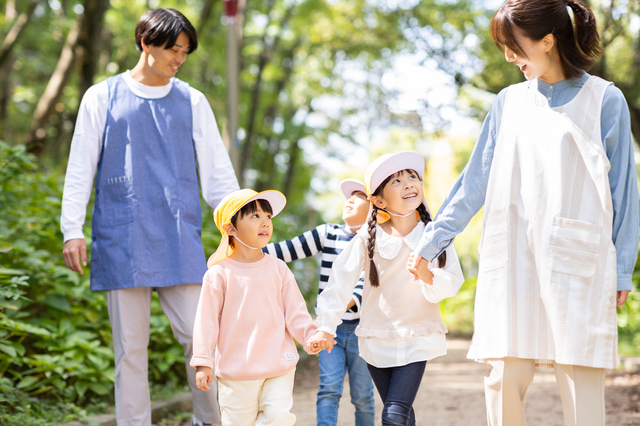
(265, 56)
(15, 31)
(635, 123)
(36, 137)
(89, 42)
(5, 93)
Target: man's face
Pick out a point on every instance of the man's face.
(165, 62)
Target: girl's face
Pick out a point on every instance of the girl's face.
(254, 229)
(355, 209)
(541, 60)
(402, 194)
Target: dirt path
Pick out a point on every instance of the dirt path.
(452, 394)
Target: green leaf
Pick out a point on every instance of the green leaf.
(58, 302)
(5, 247)
(81, 388)
(27, 382)
(100, 389)
(7, 271)
(9, 350)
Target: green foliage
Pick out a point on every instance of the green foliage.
(629, 320)
(55, 335)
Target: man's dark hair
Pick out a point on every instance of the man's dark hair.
(159, 26)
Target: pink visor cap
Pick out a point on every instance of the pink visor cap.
(388, 164)
(349, 186)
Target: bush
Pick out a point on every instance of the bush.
(55, 335)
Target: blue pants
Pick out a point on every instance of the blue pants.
(398, 387)
(333, 367)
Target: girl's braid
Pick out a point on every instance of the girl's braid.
(373, 271)
(425, 217)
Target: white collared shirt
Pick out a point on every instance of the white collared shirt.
(383, 342)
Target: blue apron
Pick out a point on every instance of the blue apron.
(146, 219)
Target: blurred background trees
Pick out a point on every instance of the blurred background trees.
(317, 101)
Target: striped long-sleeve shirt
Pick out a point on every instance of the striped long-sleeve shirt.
(329, 239)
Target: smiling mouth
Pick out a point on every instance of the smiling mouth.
(410, 196)
(522, 67)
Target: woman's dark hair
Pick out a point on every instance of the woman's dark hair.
(159, 26)
(425, 217)
(578, 49)
(250, 208)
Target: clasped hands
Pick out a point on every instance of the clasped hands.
(319, 342)
(419, 268)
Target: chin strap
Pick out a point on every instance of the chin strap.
(355, 226)
(246, 245)
(399, 215)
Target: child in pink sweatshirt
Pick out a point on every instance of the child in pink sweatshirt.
(250, 307)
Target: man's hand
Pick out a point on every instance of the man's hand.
(72, 250)
(622, 297)
(419, 268)
(204, 375)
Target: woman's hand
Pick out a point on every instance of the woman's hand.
(419, 268)
(320, 341)
(204, 375)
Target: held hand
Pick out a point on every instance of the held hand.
(204, 375)
(622, 297)
(320, 341)
(72, 249)
(418, 267)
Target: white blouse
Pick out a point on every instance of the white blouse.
(412, 333)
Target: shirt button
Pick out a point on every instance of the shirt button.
(612, 300)
(549, 98)
(551, 87)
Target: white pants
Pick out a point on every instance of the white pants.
(129, 312)
(581, 392)
(264, 402)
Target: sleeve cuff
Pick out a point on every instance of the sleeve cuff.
(327, 330)
(73, 234)
(201, 361)
(624, 282)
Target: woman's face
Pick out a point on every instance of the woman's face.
(541, 60)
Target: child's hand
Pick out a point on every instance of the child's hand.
(320, 341)
(204, 375)
(419, 268)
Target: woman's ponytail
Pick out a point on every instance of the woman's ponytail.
(425, 217)
(585, 30)
(371, 244)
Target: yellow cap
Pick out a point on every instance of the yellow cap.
(230, 205)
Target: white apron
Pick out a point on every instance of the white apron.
(547, 281)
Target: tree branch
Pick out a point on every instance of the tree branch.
(16, 30)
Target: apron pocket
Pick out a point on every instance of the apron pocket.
(573, 247)
(495, 244)
(118, 200)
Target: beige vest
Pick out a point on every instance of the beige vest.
(547, 280)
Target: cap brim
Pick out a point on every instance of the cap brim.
(393, 164)
(275, 198)
(349, 186)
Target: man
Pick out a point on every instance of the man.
(142, 131)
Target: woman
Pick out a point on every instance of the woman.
(554, 168)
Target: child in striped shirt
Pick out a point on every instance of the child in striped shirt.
(330, 239)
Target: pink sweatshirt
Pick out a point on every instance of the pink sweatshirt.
(250, 311)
